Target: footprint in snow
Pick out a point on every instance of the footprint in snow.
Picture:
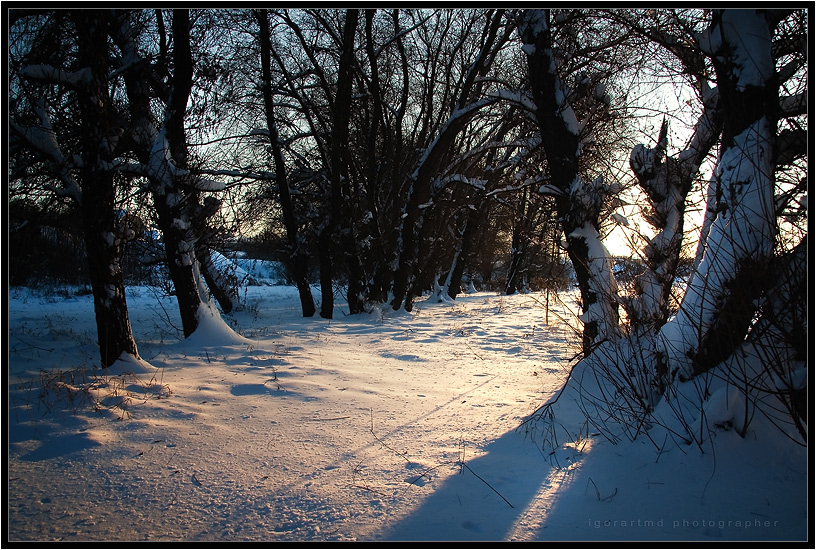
(473, 527)
(414, 480)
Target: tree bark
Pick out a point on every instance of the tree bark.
(102, 233)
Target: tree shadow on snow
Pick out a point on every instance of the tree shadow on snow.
(487, 499)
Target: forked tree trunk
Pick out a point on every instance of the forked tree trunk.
(718, 305)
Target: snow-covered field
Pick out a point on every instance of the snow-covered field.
(377, 427)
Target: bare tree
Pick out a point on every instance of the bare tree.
(298, 254)
(78, 151)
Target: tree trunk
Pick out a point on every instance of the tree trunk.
(103, 247)
(179, 247)
(578, 202)
(221, 287)
(718, 305)
(465, 250)
(102, 234)
(518, 245)
(516, 259)
(174, 195)
(300, 262)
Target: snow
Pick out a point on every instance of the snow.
(747, 32)
(204, 184)
(77, 79)
(517, 96)
(601, 281)
(620, 219)
(265, 426)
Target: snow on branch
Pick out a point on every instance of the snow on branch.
(531, 24)
(204, 184)
(458, 116)
(476, 183)
(706, 130)
(517, 97)
(43, 141)
(550, 189)
(47, 73)
(238, 174)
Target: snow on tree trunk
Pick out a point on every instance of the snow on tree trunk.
(719, 301)
(179, 247)
(578, 202)
(596, 282)
(223, 287)
(103, 245)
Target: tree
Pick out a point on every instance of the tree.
(740, 325)
(717, 307)
(339, 183)
(300, 261)
(162, 153)
(578, 202)
(78, 149)
(466, 104)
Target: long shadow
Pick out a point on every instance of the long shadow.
(485, 500)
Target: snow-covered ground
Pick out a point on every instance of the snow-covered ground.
(376, 427)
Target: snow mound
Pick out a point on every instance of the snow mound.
(128, 364)
(725, 408)
(212, 330)
(226, 265)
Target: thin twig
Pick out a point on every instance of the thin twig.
(489, 485)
